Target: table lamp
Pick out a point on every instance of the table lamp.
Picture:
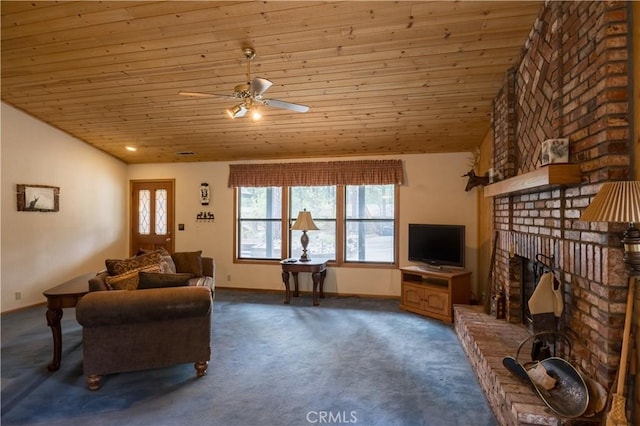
(304, 223)
(619, 202)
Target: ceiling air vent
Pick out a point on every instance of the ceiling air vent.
(185, 153)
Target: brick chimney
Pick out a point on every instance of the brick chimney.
(573, 82)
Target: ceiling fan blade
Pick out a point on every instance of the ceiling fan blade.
(285, 105)
(259, 86)
(204, 95)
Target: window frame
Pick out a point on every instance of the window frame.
(236, 221)
(341, 223)
(347, 221)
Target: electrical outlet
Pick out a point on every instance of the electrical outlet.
(228, 277)
(18, 295)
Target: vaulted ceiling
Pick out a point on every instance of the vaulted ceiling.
(379, 77)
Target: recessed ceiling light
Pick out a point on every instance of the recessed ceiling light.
(131, 148)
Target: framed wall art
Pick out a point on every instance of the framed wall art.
(204, 194)
(38, 198)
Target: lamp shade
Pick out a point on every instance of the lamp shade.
(237, 111)
(615, 202)
(304, 222)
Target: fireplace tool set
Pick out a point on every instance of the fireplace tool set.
(552, 377)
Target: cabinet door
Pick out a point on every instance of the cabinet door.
(412, 296)
(436, 302)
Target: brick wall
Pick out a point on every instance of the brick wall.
(572, 82)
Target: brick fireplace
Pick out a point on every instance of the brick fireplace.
(573, 81)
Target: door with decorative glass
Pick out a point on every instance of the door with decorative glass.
(152, 215)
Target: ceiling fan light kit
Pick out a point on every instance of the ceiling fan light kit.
(250, 94)
(237, 111)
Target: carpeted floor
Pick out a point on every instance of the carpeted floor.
(350, 360)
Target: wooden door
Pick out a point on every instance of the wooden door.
(152, 212)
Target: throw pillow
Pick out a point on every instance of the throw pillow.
(120, 266)
(130, 279)
(159, 280)
(167, 261)
(190, 262)
(167, 268)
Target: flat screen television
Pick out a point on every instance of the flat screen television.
(437, 245)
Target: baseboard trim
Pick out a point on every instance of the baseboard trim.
(272, 291)
(22, 308)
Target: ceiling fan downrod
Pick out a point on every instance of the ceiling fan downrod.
(249, 53)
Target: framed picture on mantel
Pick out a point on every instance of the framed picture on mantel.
(38, 198)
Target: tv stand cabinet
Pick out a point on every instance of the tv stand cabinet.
(432, 292)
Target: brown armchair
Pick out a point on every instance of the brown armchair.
(135, 330)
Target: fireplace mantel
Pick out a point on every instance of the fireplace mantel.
(541, 178)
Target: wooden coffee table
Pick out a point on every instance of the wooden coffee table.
(65, 295)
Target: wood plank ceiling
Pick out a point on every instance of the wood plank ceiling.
(379, 77)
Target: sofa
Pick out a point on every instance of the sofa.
(124, 274)
(150, 311)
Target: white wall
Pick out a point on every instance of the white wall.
(433, 193)
(40, 250)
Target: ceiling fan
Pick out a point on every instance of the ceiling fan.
(250, 94)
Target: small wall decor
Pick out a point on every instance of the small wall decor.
(204, 194)
(205, 217)
(38, 198)
(554, 151)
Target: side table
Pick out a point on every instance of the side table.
(318, 270)
(65, 295)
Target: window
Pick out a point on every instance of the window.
(321, 202)
(356, 223)
(161, 212)
(369, 223)
(144, 212)
(260, 223)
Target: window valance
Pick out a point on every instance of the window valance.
(363, 172)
